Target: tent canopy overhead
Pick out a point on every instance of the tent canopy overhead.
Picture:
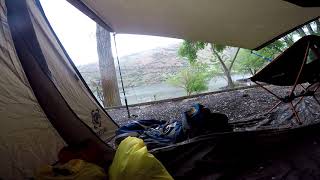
(246, 23)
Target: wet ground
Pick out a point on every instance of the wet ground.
(237, 105)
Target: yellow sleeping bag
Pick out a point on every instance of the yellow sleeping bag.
(75, 169)
(133, 162)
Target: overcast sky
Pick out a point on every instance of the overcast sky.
(77, 33)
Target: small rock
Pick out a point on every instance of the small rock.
(245, 95)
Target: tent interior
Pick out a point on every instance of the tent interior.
(45, 103)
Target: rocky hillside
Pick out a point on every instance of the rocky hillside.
(143, 68)
(148, 67)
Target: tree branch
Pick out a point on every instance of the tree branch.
(225, 69)
(234, 59)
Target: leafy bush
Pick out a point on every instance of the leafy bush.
(193, 79)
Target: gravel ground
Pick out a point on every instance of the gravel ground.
(237, 105)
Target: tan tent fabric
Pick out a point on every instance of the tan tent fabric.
(27, 139)
(66, 79)
(241, 23)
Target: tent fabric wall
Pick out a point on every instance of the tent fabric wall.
(27, 138)
(44, 104)
(246, 23)
(66, 79)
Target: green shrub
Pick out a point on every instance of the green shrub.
(193, 79)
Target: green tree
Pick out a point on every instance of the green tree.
(310, 30)
(251, 62)
(277, 47)
(190, 49)
(288, 39)
(301, 32)
(192, 79)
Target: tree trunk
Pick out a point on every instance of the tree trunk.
(288, 41)
(224, 67)
(107, 69)
(234, 59)
(278, 49)
(301, 32)
(252, 71)
(311, 31)
(318, 25)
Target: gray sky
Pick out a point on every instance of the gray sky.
(77, 33)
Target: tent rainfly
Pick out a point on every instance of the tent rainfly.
(44, 101)
(247, 23)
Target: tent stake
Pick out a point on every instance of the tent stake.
(124, 92)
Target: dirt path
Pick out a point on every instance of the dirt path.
(237, 105)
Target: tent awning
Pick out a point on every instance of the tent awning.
(246, 23)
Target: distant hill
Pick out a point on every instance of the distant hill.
(143, 68)
(148, 67)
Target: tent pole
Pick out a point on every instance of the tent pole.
(124, 92)
(267, 90)
(295, 113)
(275, 106)
(301, 68)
